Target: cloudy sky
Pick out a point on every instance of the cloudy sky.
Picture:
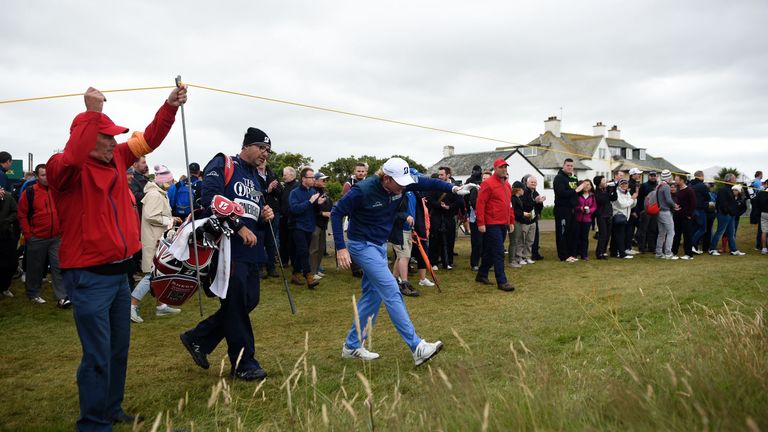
(685, 79)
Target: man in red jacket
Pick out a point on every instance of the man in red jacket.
(42, 232)
(494, 218)
(100, 234)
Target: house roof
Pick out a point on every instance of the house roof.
(649, 164)
(461, 164)
(613, 142)
(552, 151)
(585, 145)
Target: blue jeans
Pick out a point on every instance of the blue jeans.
(493, 252)
(700, 219)
(378, 285)
(725, 224)
(101, 307)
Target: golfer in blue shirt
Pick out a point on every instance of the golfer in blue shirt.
(371, 206)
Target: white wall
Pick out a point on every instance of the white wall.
(519, 166)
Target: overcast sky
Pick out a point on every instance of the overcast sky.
(685, 79)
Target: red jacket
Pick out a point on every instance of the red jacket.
(45, 221)
(494, 202)
(99, 224)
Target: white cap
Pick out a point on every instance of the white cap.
(634, 171)
(398, 169)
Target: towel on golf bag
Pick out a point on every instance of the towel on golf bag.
(180, 250)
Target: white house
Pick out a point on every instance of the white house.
(601, 153)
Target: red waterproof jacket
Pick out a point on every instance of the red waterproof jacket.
(98, 220)
(494, 202)
(45, 222)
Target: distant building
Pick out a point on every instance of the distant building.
(598, 154)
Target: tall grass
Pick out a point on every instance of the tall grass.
(716, 379)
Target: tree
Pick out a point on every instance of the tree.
(342, 168)
(413, 164)
(723, 172)
(278, 161)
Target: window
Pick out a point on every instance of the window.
(629, 153)
(528, 151)
(642, 154)
(601, 153)
(615, 151)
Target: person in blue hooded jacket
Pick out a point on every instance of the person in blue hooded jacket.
(371, 206)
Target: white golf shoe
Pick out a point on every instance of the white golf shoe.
(425, 351)
(358, 353)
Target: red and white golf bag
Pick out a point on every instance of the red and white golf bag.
(178, 260)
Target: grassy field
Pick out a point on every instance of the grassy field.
(639, 344)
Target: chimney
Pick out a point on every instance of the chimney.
(598, 129)
(614, 132)
(552, 124)
(448, 151)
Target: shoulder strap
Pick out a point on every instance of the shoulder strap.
(229, 169)
(30, 192)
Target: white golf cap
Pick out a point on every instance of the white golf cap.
(398, 169)
(634, 171)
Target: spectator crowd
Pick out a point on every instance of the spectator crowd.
(94, 214)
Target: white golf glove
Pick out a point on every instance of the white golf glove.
(464, 189)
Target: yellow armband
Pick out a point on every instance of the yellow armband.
(138, 145)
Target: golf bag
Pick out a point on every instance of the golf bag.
(176, 265)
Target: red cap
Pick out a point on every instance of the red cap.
(499, 162)
(105, 125)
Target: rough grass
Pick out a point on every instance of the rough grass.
(618, 345)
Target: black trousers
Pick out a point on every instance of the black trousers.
(604, 227)
(632, 224)
(582, 238)
(286, 241)
(684, 229)
(565, 232)
(618, 244)
(476, 240)
(535, 247)
(232, 321)
(439, 251)
(647, 232)
(9, 262)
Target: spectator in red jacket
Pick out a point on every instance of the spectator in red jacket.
(42, 232)
(100, 234)
(494, 218)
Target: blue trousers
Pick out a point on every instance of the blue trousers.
(725, 224)
(700, 225)
(301, 242)
(232, 321)
(476, 239)
(101, 307)
(378, 285)
(493, 252)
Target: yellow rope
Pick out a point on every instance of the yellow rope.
(348, 113)
(80, 94)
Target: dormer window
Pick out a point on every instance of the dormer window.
(615, 151)
(629, 153)
(528, 151)
(642, 154)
